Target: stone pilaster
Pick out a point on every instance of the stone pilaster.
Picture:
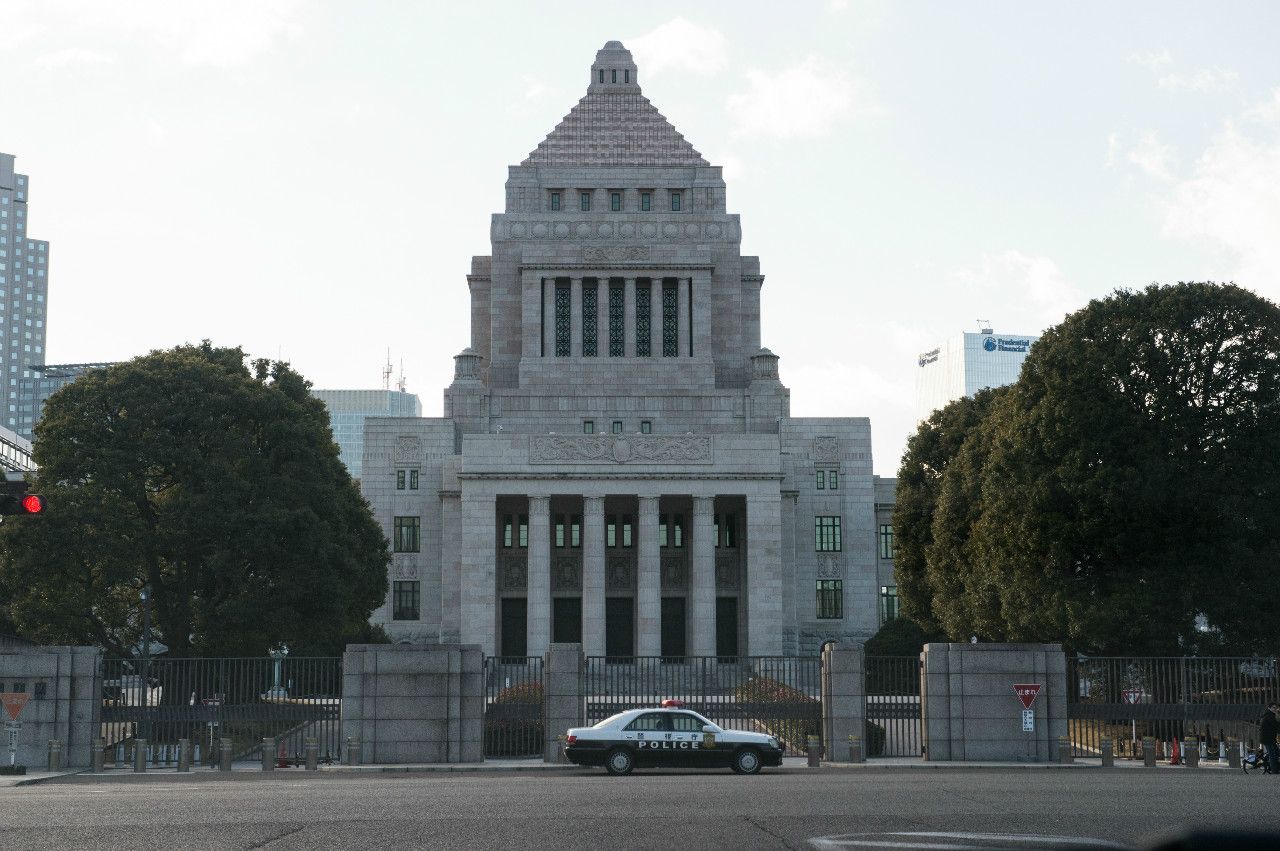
(648, 580)
(764, 574)
(479, 580)
(701, 312)
(593, 575)
(451, 541)
(602, 318)
(683, 317)
(539, 592)
(702, 533)
(549, 317)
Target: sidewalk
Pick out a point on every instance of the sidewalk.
(33, 777)
(912, 762)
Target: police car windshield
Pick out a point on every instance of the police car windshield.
(606, 722)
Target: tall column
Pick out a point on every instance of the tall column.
(683, 323)
(764, 574)
(629, 318)
(602, 317)
(549, 317)
(701, 314)
(575, 317)
(451, 544)
(530, 311)
(539, 592)
(593, 575)
(703, 532)
(648, 580)
(479, 591)
(655, 317)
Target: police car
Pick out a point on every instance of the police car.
(668, 736)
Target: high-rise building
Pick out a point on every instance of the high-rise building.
(38, 383)
(966, 363)
(348, 410)
(24, 289)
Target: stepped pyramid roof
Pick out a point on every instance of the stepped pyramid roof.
(614, 124)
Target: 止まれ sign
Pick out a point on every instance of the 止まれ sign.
(1026, 692)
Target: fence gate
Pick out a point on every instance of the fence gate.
(209, 700)
(777, 695)
(893, 706)
(1206, 698)
(513, 723)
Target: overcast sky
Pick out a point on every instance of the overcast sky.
(310, 179)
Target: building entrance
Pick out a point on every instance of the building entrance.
(515, 624)
(619, 627)
(726, 626)
(673, 627)
(566, 620)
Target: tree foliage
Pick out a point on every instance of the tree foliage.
(219, 487)
(1124, 492)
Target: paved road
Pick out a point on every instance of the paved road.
(661, 810)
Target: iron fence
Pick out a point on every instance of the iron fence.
(893, 706)
(1205, 698)
(778, 695)
(241, 700)
(513, 706)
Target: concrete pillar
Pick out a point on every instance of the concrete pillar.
(549, 317)
(703, 585)
(655, 317)
(682, 323)
(184, 754)
(269, 754)
(575, 317)
(629, 318)
(562, 687)
(224, 754)
(701, 312)
(843, 703)
(531, 312)
(593, 575)
(478, 621)
(451, 567)
(648, 580)
(99, 755)
(539, 575)
(764, 574)
(311, 751)
(139, 755)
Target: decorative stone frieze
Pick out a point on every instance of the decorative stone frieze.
(611, 449)
(826, 449)
(614, 253)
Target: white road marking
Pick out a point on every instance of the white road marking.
(957, 841)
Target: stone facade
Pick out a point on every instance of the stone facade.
(617, 465)
(64, 685)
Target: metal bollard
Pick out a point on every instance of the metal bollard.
(1108, 752)
(813, 748)
(1065, 756)
(1222, 752)
(224, 754)
(99, 755)
(1233, 753)
(311, 748)
(269, 754)
(184, 754)
(55, 755)
(1148, 751)
(855, 749)
(195, 755)
(1190, 753)
(139, 756)
(354, 754)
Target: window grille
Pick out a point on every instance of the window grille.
(590, 337)
(563, 324)
(670, 322)
(643, 322)
(616, 319)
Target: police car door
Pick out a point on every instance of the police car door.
(686, 733)
(650, 735)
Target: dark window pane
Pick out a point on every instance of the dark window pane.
(670, 322)
(646, 201)
(584, 200)
(675, 202)
(821, 477)
(643, 323)
(555, 200)
(524, 530)
(564, 327)
(413, 480)
(646, 427)
(626, 530)
(830, 598)
(506, 530)
(405, 534)
(399, 480)
(590, 318)
(575, 530)
(405, 601)
(617, 296)
(611, 531)
(589, 427)
(615, 201)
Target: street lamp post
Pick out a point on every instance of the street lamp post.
(278, 654)
(144, 684)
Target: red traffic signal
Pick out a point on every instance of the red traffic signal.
(33, 503)
(29, 503)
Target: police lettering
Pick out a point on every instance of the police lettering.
(668, 746)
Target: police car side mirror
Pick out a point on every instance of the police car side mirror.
(710, 728)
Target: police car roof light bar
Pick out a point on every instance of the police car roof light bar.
(671, 703)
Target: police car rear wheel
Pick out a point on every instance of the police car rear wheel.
(619, 761)
(746, 761)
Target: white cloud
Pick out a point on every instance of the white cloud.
(1021, 293)
(802, 101)
(1213, 79)
(679, 45)
(837, 5)
(1153, 60)
(68, 57)
(1153, 157)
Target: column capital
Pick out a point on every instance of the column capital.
(648, 505)
(593, 506)
(539, 504)
(704, 506)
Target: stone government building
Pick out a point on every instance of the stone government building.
(617, 463)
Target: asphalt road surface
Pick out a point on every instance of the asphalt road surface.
(789, 808)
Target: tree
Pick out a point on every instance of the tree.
(930, 451)
(218, 487)
(1125, 494)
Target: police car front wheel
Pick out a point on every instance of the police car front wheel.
(619, 761)
(746, 761)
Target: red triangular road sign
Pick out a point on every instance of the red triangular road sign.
(13, 702)
(1026, 692)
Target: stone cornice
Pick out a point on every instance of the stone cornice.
(621, 476)
(599, 272)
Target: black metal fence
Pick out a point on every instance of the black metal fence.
(210, 700)
(893, 706)
(778, 695)
(1206, 698)
(513, 706)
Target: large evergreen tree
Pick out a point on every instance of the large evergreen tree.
(219, 487)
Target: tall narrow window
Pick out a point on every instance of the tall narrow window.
(646, 201)
(611, 531)
(507, 531)
(614, 76)
(826, 534)
(602, 75)
(626, 75)
(677, 530)
(564, 327)
(616, 428)
(888, 602)
(670, 319)
(575, 530)
(715, 532)
(584, 201)
(523, 540)
(406, 534)
(405, 601)
(560, 530)
(730, 531)
(615, 201)
(886, 540)
(588, 426)
(626, 530)
(413, 480)
(399, 480)
(617, 296)
(675, 202)
(555, 200)
(830, 598)
(833, 479)
(821, 480)
(642, 321)
(662, 530)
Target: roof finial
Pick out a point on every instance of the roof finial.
(614, 70)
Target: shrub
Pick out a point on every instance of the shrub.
(513, 721)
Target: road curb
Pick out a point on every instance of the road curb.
(444, 768)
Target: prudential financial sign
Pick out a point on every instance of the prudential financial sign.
(1006, 344)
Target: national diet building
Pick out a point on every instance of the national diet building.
(617, 463)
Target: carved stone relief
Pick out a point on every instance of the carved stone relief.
(826, 449)
(618, 574)
(726, 571)
(673, 573)
(406, 570)
(614, 253)
(512, 574)
(408, 448)
(605, 449)
(565, 575)
(830, 567)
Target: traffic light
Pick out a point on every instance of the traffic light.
(14, 499)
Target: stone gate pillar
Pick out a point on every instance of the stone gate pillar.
(562, 702)
(843, 699)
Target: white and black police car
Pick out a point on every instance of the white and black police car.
(668, 736)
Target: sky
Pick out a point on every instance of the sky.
(309, 180)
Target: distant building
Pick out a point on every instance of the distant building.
(24, 265)
(962, 365)
(347, 412)
(39, 382)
